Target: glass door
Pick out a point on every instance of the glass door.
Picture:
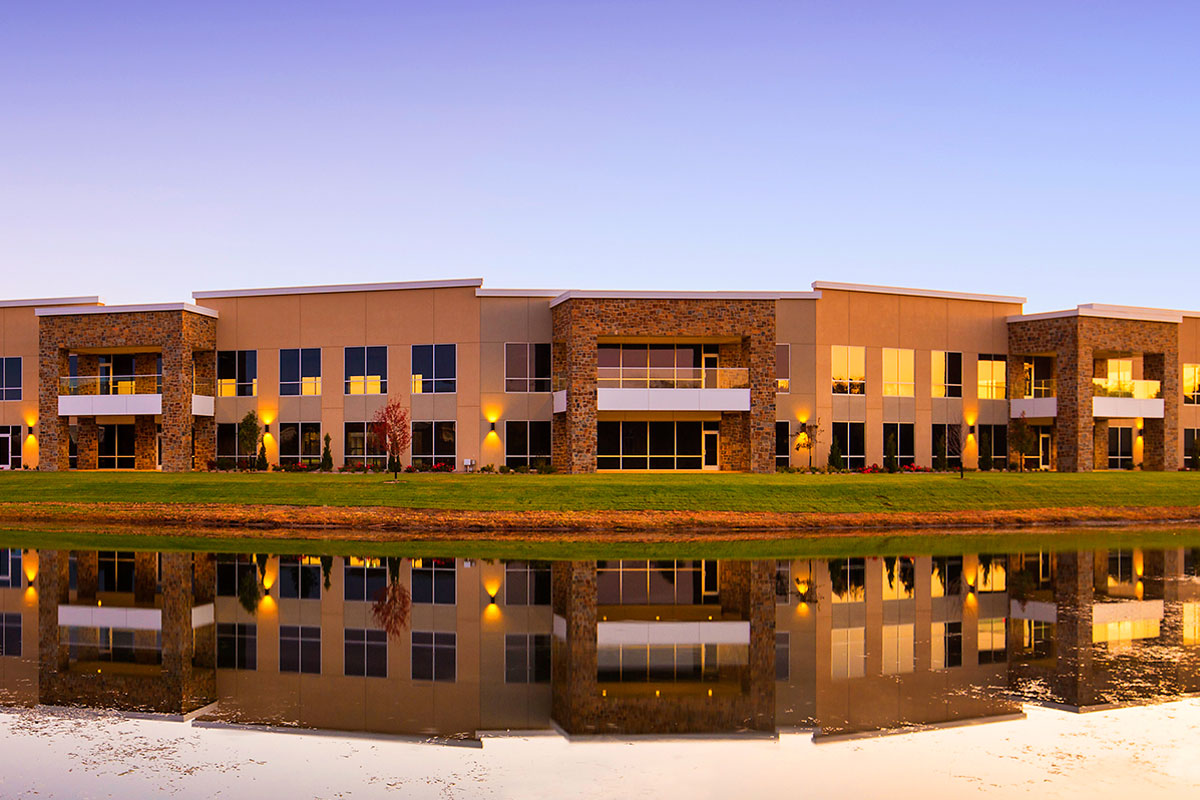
(4, 451)
(712, 446)
(1044, 451)
(710, 370)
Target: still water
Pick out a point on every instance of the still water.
(831, 647)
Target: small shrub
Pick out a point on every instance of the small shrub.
(261, 463)
(891, 462)
(835, 455)
(327, 456)
(411, 468)
(543, 466)
(442, 466)
(488, 468)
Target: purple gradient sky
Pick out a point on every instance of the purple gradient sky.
(149, 149)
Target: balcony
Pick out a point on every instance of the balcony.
(121, 395)
(1040, 400)
(1112, 398)
(673, 389)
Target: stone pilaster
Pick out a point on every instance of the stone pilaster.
(145, 442)
(87, 446)
(1100, 444)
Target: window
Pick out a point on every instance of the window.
(640, 663)
(10, 568)
(662, 444)
(848, 653)
(657, 582)
(362, 446)
(899, 577)
(947, 576)
(300, 577)
(992, 376)
(231, 571)
(10, 378)
(1039, 377)
(364, 578)
(229, 444)
(783, 582)
(993, 573)
(851, 440)
(997, 437)
(526, 658)
(114, 571)
(1120, 448)
(433, 443)
(434, 368)
(946, 642)
(947, 444)
(237, 373)
(237, 646)
(433, 656)
(1037, 639)
(849, 369)
(366, 653)
(664, 366)
(898, 380)
(10, 634)
(993, 640)
(783, 445)
(783, 652)
(300, 371)
(13, 458)
(947, 374)
(848, 579)
(1120, 566)
(433, 581)
(527, 367)
(902, 434)
(366, 370)
(526, 443)
(527, 583)
(1189, 448)
(300, 443)
(300, 649)
(783, 368)
(116, 447)
(898, 649)
(1191, 384)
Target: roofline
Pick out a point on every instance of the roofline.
(1103, 311)
(464, 283)
(518, 292)
(868, 288)
(128, 309)
(576, 294)
(51, 301)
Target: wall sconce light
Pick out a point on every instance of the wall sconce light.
(971, 429)
(491, 599)
(267, 428)
(493, 427)
(1140, 432)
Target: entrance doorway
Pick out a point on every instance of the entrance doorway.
(5, 449)
(712, 448)
(1043, 451)
(115, 450)
(1120, 448)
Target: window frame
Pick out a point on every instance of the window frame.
(906, 446)
(847, 384)
(898, 386)
(300, 642)
(991, 387)
(534, 383)
(308, 382)
(433, 458)
(11, 366)
(437, 383)
(940, 363)
(243, 383)
(527, 459)
(783, 382)
(439, 642)
(844, 438)
(368, 641)
(536, 658)
(366, 380)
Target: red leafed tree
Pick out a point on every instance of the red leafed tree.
(392, 432)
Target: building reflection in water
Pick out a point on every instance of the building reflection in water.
(456, 647)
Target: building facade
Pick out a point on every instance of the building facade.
(598, 380)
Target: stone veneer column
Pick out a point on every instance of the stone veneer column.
(575, 698)
(145, 442)
(1160, 443)
(87, 445)
(177, 407)
(204, 439)
(1015, 381)
(54, 435)
(1073, 426)
(1100, 445)
(145, 577)
(1073, 596)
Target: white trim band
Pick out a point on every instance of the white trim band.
(133, 309)
(465, 283)
(935, 293)
(50, 301)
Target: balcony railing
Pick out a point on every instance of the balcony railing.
(1138, 390)
(1045, 387)
(673, 378)
(121, 384)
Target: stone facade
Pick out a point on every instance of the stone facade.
(187, 342)
(1077, 344)
(744, 329)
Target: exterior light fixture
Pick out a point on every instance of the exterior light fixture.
(1141, 431)
(493, 427)
(971, 430)
(491, 599)
(267, 428)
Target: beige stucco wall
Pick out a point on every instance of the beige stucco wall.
(19, 338)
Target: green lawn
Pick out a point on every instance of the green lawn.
(685, 492)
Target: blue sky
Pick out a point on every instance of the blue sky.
(1045, 149)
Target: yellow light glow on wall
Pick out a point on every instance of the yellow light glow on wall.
(267, 605)
(268, 415)
(492, 612)
(270, 574)
(31, 419)
(31, 596)
(491, 414)
(492, 587)
(29, 563)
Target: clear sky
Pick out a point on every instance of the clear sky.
(1045, 148)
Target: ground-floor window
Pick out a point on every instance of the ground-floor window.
(649, 445)
(10, 447)
(300, 443)
(905, 442)
(851, 441)
(947, 445)
(783, 445)
(1190, 436)
(994, 438)
(1120, 448)
(526, 443)
(10, 634)
(433, 444)
(115, 449)
(228, 446)
(362, 446)
(657, 582)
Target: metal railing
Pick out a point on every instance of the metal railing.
(1138, 390)
(1046, 387)
(673, 378)
(122, 384)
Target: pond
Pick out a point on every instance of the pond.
(335, 656)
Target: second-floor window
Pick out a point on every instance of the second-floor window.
(527, 367)
(993, 370)
(848, 368)
(947, 374)
(300, 371)
(10, 378)
(237, 373)
(783, 368)
(366, 370)
(434, 368)
(1191, 384)
(898, 378)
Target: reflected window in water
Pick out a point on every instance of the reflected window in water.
(364, 578)
(433, 581)
(656, 582)
(300, 577)
(993, 640)
(783, 656)
(300, 649)
(237, 645)
(992, 574)
(10, 634)
(10, 568)
(232, 569)
(527, 583)
(848, 579)
(114, 571)
(848, 653)
(946, 644)
(639, 663)
(899, 578)
(365, 653)
(1037, 639)
(434, 656)
(947, 576)
(526, 658)
(897, 649)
